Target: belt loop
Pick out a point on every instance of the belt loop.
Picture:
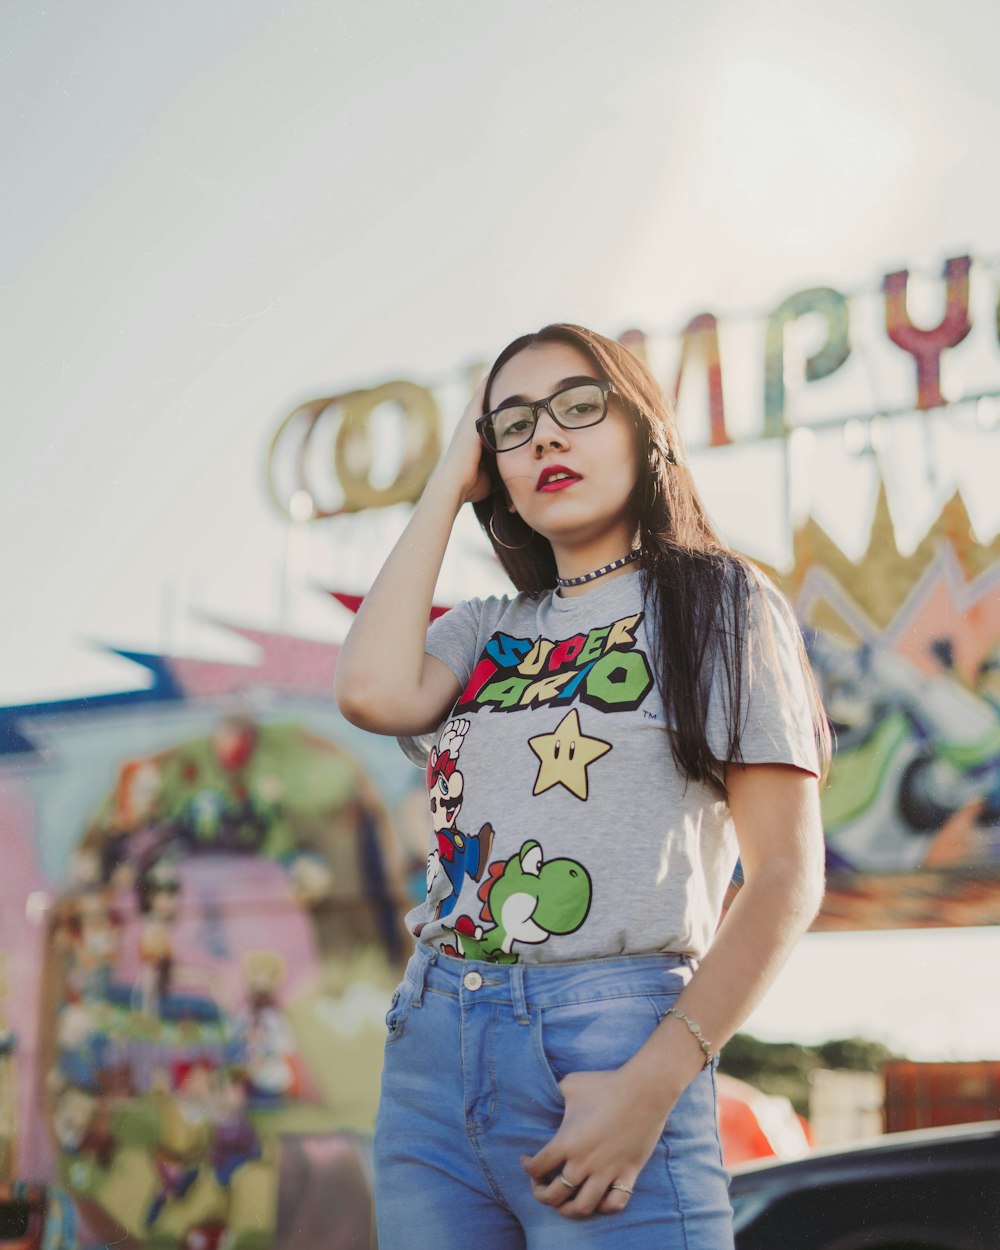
(428, 958)
(518, 999)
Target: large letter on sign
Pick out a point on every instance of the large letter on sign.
(926, 346)
(306, 438)
(701, 336)
(635, 341)
(832, 307)
(352, 450)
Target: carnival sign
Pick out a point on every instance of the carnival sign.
(325, 459)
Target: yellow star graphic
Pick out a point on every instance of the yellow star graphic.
(565, 754)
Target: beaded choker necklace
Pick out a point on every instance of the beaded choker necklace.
(608, 568)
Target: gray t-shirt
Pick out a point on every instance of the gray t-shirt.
(561, 826)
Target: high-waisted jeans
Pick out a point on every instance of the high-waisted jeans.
(473, 1058)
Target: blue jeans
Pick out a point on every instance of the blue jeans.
(473, 1057)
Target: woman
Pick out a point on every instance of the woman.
(604, 744)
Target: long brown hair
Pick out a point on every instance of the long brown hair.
(698, 589)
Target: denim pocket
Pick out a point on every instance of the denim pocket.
(596, 1036)
(399, 1008)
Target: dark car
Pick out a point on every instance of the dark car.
(934, 1189)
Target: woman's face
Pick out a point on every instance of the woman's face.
(587, 501)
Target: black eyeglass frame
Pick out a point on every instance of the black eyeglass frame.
(607, 389)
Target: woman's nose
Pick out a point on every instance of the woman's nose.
(549, 435)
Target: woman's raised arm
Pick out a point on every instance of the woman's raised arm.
(384, 681)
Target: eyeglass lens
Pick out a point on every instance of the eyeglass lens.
(574, 408)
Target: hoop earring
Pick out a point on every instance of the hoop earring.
(500, 542)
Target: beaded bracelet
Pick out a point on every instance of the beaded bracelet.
(695, 1028)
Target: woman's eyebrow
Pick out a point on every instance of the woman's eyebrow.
(559, 386)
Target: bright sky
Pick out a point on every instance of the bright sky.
(215, 211)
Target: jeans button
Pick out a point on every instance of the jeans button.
(472, 980)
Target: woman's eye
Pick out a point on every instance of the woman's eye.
(581, 410)
(516, 427)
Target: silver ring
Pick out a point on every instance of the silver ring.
(624, 1189)
(568, 1184)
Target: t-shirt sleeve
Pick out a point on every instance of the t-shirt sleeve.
(452, 638)
(776, 719)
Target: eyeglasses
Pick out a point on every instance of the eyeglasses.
(576, 407)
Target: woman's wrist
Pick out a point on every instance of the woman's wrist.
(651, 1084)
(444, 486)
(666, 1063)
(695, 1029)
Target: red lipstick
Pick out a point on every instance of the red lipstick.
(556, 477)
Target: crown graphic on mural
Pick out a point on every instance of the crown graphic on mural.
(948, 587)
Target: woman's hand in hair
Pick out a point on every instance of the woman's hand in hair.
(463, 460)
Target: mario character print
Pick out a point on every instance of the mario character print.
(457, 855)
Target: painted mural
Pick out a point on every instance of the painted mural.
(200, 927)
(907, 653)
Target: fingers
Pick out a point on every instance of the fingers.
(474, 408)
(556, 1192)
(616, 1198)
(552, 1180)
(575, 1200)
(593, 1196)
(546, 1162)
(465, 454)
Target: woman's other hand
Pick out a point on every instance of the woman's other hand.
(609, 1129)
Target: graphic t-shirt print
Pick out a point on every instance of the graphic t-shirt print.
(603, 668)
(527, 898)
